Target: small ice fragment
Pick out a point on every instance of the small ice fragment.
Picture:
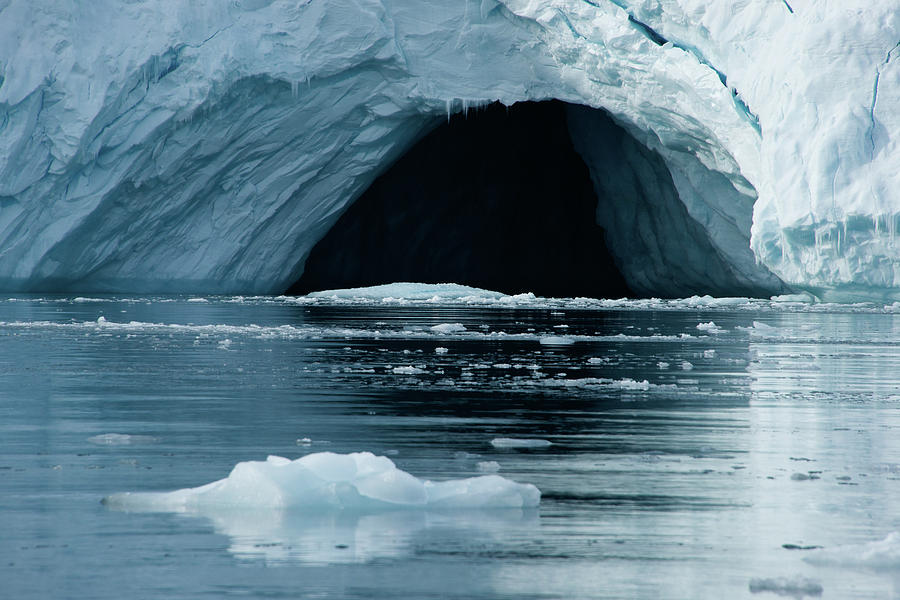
(796, 587)
(441, 350)
(709, 353)
(761, 327)
(598, 361)
(465, 455)
(304, 441)
(802, 297)
(488, 466)
(556, 340)
(686, 365)
(120, 439)
(520, 443)
(225, 344)
(710, 327)
(408, 370)
(662, 364)
(449, 328)
(101, 320)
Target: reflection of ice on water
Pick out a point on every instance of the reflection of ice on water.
(337, 537)
(339, 508)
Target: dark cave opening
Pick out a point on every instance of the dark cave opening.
(496, 198)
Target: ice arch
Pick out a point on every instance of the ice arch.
(214, 149)
(499, 198)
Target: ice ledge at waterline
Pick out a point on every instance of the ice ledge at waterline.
(208, 146)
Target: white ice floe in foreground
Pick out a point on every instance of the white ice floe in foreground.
(359, 481)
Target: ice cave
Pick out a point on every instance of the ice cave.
(727, 149)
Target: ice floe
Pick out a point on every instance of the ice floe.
(359, 482)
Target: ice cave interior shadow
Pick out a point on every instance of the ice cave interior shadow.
(495, 198)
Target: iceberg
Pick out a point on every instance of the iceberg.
(207, 148)
(324, 481)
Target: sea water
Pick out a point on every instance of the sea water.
(702, 448)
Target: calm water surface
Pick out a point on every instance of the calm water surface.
(684, 459)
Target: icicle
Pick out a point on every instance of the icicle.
(295, 88)
(449, 108)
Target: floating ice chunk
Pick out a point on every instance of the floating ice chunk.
(662, 364)
(709, 353)
(796, 587)
(441, 350)
(880, 555)
(556, 340)
(101, 320)
(686, 365)
(359, 482)
(408, 370)
(449, 328)
(804, 298)
(520, 443)
(710, 327)
(465, 455)
(763, 328)
(488, 466)
(598, 360)
(121, 439)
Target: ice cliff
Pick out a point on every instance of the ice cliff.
(207, 146)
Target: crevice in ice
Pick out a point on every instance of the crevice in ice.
(872, 119)
(648, 31)
(654, 36)
(788, 6)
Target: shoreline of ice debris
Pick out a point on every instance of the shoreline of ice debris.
(455, 295)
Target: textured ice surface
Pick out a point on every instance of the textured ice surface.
(209, 146)
(359, 481)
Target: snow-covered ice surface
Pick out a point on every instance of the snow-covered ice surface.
(207, 147)
(771, 467)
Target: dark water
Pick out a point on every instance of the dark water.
(683, 459)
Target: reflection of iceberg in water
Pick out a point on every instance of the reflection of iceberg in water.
(340, 508)
(335, 537)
